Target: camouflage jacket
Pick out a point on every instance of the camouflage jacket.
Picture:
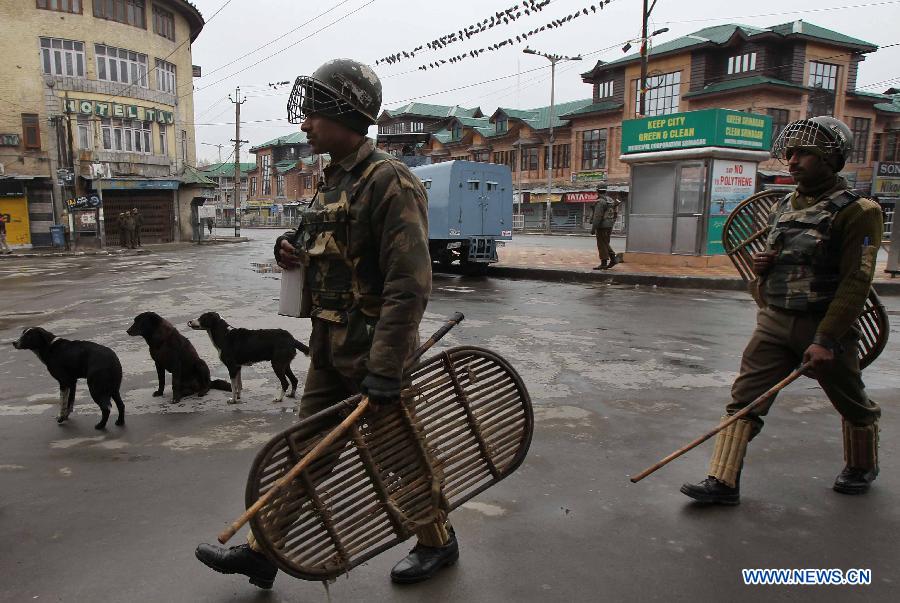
(604, 214)
(364, 241)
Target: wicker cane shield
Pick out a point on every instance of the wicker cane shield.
(464, 423)
(745, 233)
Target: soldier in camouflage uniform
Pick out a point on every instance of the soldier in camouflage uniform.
(602, 223)
(813, 281)
(363, 245)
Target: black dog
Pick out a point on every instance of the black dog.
(68, 361)
(243, 347)
(171, 351)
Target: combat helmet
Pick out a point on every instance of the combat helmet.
(826, 136)
(344, 90)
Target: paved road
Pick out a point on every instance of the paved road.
(619, 376)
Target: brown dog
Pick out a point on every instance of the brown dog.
(171, 351)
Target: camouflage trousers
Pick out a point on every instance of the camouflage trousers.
(604, 249)
(776, 348)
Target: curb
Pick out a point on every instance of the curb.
(886, 288)
(74, 254)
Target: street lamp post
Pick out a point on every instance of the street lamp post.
(554, 59)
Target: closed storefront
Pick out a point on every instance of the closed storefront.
(14, 211)
(156, 208)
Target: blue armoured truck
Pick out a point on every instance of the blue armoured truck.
(470, 207)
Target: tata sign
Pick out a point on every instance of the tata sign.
(886, 182)
(693, 129)
(581, 197)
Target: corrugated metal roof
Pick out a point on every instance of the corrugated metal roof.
(191, 175)
(744, 82)
(593, 108)
(283, 166)
(428, 110)
(293, 138)
(226, 169)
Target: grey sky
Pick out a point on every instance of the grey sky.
(382, 27)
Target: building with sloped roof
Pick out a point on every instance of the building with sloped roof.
(223, 175)
(284, 177)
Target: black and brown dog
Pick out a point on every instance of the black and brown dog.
(243, 347)
(71, 360)
(171, 351)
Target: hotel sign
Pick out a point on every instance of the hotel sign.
(104, 109)
(704, 128)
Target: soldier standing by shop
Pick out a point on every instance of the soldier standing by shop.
(124, 230)
(4, 248)
(129, 229)
(138, 225)
(602, 223)
(364, 245)
(813, 279)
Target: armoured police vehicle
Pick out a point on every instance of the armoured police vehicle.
(470, 208)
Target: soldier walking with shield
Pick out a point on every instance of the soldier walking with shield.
(813, 280)
(363, 246)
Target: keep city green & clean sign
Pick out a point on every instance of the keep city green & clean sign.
(692, 129)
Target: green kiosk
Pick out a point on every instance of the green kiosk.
(688, 171)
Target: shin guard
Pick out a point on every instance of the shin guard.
(728, 456)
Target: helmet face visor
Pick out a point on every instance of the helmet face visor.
(808, 136)
(310, 96)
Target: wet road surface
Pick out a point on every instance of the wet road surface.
(620, 377)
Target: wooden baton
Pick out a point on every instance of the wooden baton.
(328, 440)
(735, 417)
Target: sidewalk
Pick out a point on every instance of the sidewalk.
(50, 252)
(575, 265)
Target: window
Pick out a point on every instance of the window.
(822, 75)
(860, 139)
(890, 146)
(501, 125)
(662, 96)
(120, 65)
(63, 6)
(507, 158)
(165, 76)
(529, 159)
(130, 12)
(163, 140)
(876, 148)
(742, 63)
(279, 185)
(780, 118)
(252, 187)
(457, 132)
(605, 90)
(560, 156)
(473, 184)
(482, 156)
(163, 22)
(266, 176)
(593, 149)
(127, 135)
(85, 133)
(62, 57)
(307, 181)
(31, 131)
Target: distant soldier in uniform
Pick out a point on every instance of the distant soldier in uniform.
(813, 279)
(364, 245)
(129, 229)
(602, 223)
(138, 225)
(4, 248)
(124, 230)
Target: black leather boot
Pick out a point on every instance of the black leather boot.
(860, 459)
(601, 266)
(612, 262)
(712, 491)
(424, 561)
(853, 480)
(239, 560)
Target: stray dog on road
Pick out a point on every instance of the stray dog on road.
(243, 347)
(68, 361)
(171, 351)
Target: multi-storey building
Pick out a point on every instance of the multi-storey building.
(786, 71)
(223, 175)
(403, 131)
(97, 104)
(285, 176)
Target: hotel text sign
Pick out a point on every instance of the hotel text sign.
(103, 109)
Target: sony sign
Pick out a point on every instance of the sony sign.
(889, 170)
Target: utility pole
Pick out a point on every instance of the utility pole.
(554, 59)
(645, 40)
(218, 146)
(237, 158)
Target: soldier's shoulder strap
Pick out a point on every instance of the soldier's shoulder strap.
(842, 198)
